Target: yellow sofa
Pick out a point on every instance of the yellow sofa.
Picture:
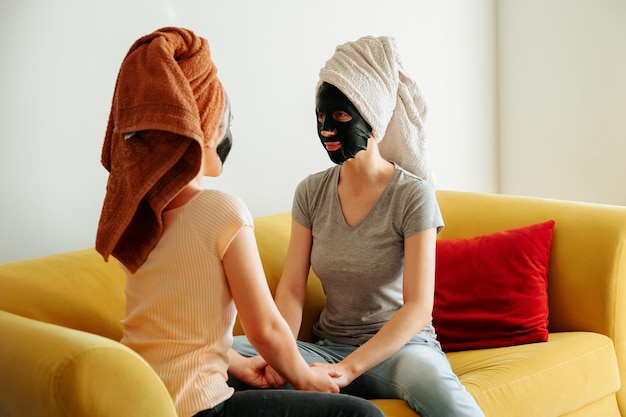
(60, 322)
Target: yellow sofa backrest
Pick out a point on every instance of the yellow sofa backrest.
(73, 289)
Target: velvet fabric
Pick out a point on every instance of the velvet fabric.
(492, 290)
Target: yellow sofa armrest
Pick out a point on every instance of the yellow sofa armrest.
(50, 370)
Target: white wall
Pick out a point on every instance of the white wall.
(562, 103)
(60, 60)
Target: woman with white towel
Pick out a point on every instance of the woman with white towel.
(367, 226)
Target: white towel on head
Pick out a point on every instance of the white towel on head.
(370, 73)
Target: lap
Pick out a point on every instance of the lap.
(418, 373)
(280, 403)
(419, 363)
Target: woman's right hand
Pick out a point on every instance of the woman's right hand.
(319, 379)
(315, 380)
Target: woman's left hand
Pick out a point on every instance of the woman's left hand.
(336, 371)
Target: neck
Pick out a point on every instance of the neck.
(186, 194)
(368, 167)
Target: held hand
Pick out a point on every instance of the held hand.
(273, 378)
(334, 370)
(251, 371)
(319, 380)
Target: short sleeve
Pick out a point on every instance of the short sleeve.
(218, 217)
(422, 210)
(300, 209)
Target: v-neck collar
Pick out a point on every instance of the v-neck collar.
(374, 207)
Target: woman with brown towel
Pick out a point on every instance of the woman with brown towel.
(189, 253)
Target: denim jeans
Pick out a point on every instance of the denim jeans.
(287, 403)
(419, 373)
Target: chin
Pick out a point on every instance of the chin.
(213, 172)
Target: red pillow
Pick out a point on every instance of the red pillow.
(492, 290)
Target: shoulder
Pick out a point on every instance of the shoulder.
(314, 181)
(217, 203)
(412, 184)
(219, 198)
(415, 203)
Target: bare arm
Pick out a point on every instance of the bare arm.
(413, 316)
(291, 289)
(266, 329)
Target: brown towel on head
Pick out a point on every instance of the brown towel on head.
(167, 102)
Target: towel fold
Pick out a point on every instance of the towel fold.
(370, 73)
(167, 102)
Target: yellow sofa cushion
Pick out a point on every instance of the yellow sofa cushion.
(518, 373)
(558, 370)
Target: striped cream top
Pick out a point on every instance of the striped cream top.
(179, 310)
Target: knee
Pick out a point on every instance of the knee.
(428, 370)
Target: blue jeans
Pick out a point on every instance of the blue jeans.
(282, 403)
(419, 373)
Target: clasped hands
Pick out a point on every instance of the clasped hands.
(257, 373)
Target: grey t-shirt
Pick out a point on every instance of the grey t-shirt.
(361, 267)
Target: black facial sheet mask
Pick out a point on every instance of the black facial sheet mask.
(353, 135)
(223, 148)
